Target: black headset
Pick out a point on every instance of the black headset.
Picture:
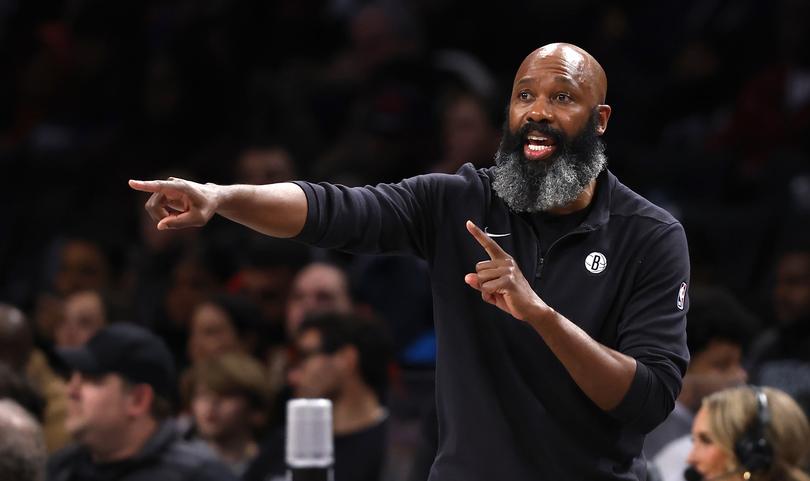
(753, 451)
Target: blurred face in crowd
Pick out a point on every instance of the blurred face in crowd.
(317, 288)
(82, 266)
(791, 295)
(268, 288)
(467, 133)
(84, 316)
(706, 455)
(265, 166)
(191, 283)
(716, 367)
(221, 417)
(315, 373)
(100, 408)
(551, 147)
(211, 333)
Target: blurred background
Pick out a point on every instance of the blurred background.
(711, 120)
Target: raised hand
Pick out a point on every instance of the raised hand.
(501, 282)
(178, 203)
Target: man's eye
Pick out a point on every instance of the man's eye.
(562, 97)
(524, 96)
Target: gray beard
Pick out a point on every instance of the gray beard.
(540, 187)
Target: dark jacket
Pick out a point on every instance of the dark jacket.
(507, 408)
(164, 457)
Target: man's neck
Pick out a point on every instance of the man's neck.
(127, 443)
(582, 201)
(356, 408)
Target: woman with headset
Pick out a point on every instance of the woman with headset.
(749, 433)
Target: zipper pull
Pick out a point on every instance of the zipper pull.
(540, 261)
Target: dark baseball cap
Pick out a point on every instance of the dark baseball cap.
(129, 350)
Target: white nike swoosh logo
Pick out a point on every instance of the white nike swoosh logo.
(495, 235)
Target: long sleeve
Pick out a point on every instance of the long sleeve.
(386, 218)
(653, 330)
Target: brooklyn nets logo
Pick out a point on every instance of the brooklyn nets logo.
(596, 262)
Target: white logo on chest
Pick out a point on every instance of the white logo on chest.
(596, 262)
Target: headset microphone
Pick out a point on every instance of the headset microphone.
(692, 474)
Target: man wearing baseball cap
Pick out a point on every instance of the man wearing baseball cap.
(120, 394)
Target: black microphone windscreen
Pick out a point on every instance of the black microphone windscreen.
(692, 474)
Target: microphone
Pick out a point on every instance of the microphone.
(692, 474)
(309, 446)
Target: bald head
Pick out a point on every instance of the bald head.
(578, 63)
(22, 448)
(16, 338)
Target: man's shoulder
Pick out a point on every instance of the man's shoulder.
(466, 176)
(190, 457)
(63, 459)
(625, 202)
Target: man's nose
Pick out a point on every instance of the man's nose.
(74, 383)
(540, 112)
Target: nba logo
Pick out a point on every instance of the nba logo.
(682, 296)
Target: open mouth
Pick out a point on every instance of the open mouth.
(538, 146)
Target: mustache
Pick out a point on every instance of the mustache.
(513, 141)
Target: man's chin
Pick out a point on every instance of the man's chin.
(539, 166)
(76, 429)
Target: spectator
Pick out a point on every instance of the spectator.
(344, 359)
(469, 132)
(781, 355)
(718, 332)
(14, 386)
(265, 165)
(319, 287)
(758, 431)
(229, 396)
(18, 352)
(222, 324)
(84, 314)
(22, 448)
(265, 277)
(80, 264)
(121, 387)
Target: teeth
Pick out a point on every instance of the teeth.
(538, 148)
(536, 137)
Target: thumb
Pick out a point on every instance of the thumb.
(175, 221)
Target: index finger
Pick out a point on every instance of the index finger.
(489, 245)
(148, 185)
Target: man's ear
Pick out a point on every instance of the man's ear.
(140, 399)
(603, 111)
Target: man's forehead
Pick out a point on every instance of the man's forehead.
(564, 61)
(567, 59)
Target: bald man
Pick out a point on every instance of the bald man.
(560, 321)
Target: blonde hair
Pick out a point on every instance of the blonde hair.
(732, 412)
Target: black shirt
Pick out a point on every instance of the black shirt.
(507, 407)
(359, 456)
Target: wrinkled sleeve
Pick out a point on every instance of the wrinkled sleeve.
(386, 218)
(652, 330)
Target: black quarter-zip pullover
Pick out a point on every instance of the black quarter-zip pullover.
(507, 408)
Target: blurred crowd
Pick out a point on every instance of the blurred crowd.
(711, 120)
